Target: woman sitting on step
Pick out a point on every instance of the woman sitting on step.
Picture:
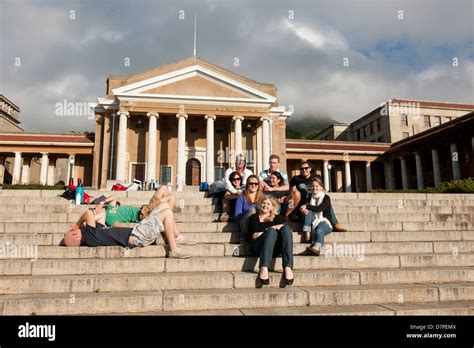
(270, 236)
(317, 212)
(246, 205)
(228, 202)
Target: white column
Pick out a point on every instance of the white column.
(347, 175)
(455, 162)
(403, 165)
(238, 134)
(210, 148)
(419, 172)
(16, 168)
(181, 160)
(326, 175)
(121, 146)
(436, 169)
(368, 175)
(266, 139)
(25, 172)
(151, 165)
(44, 169)
(51, 167)
(70, 169)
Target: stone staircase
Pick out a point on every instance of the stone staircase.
(405, 254)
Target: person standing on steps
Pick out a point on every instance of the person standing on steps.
(90, 230)
(270, 236)
(246, 205)
(317, 214)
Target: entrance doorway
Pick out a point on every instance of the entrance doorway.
(193, 172)
(138, 171)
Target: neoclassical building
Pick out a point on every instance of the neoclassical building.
(188, 120)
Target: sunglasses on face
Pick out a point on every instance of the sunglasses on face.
(253, 183)
(236, 179)
(304, 168)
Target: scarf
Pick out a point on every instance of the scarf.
(317, 199)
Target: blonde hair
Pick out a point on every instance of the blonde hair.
(275, 209)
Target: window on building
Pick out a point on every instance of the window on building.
(219, 173)
(437, 120)
(356, 135)
(379, 124)
(371, 128)
(361, 134)
(219, 131)
(165, 175)
(427, 121)
(405, 135)
(404, 120)
(448, 118)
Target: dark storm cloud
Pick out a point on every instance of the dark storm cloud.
(69, 59)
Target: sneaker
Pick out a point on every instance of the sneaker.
(182, 239)
(178, 254)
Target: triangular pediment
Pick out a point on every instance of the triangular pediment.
(194, 82)
(199, 85)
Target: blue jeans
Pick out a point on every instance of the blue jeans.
(318, 233)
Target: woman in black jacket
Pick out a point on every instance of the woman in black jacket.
(317, 211)
(270, 236)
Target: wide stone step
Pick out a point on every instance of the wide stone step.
(65, 207)
(223, 264)
(334, 250)
(385, 309)
(22, 238)
(201, 217)
(43, 284)
(226, 299)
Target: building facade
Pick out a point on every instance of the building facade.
(9, 112)
(395, 120)
(184, 121)
(46, 159)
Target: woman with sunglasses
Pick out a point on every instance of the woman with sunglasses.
(247, 203)
(228, 202)
(240, 167)
(270, 236)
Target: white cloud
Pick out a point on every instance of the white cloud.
(317, 37)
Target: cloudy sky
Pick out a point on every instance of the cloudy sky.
(57, 51)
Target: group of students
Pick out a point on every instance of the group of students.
(264, 204)
(103, 225)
